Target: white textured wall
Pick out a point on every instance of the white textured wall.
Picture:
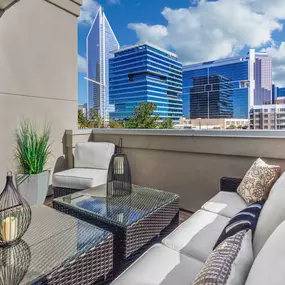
(38, 73)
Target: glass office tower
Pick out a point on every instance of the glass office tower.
(101, 42)
(211, 97)
(145, 73)
(281, 92)
(250, 81)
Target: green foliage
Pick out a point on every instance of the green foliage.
(167, 123)
(232, 127)
(82, 120)
(115, 125)
(32, 148)
(143, 117)
(94, 120)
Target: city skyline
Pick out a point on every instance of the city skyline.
(135, 21)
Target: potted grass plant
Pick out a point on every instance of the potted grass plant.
(32, 153)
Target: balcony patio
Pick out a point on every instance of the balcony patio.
(185, 162)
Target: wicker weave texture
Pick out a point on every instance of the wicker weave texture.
(92, 267)
(130, 242)
(59, 192)
(229, 184)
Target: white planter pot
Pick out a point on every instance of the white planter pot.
(33, 187)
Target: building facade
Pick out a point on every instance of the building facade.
(247, 77)
(281, 92)
(100, 44)
(211, 97)
(145, 73)
(83, 108)
(268, 117)
(263, 79)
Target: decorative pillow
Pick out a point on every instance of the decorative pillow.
(229, 263)
(244, 220)
(258, 181)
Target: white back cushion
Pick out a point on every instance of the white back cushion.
(93, 155)
(268, 267)
(271, 216)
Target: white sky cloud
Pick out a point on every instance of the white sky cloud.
(212, 29)
(82, 64)
(88, 11)
(278, 61)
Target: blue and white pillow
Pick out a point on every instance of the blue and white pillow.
(244, 220)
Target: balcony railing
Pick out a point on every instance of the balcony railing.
(187, 162)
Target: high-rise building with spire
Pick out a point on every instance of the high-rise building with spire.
(100, 43)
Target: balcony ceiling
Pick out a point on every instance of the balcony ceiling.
(6, 3)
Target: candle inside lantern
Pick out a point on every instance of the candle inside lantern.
(119, 165)
(9, 229)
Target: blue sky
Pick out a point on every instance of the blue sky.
(195, 30)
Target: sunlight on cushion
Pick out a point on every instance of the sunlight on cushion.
(215, 206)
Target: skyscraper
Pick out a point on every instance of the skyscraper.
(250, 80)
(211, 97)
(100, 43)
(263, 79)
(145, 73)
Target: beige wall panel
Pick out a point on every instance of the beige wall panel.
(38, 51)
(192, 166)
(14, 108)
(38, 75)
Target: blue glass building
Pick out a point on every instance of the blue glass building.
(249, 80)
(211, 97)
(100, 43)
(281, 92)
(145, 73)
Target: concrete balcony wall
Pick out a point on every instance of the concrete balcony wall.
(38, 73)
(190, 163)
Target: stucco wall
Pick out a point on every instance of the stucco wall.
(190, 163)
(38, 73)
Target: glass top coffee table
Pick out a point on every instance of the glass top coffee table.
(58, 249)
(137, 220)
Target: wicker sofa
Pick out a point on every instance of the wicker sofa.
(91, 162)
(181, 255)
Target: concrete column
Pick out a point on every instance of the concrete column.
(38, 74)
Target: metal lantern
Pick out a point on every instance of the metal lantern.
(119, 181)
(15, 214)
(14, 263)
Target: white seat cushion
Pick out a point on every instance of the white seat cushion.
(93, 154)
(197, 236)
(79, 178)
(226, 204)
(268, 267)
(271, 216)
(160, 266)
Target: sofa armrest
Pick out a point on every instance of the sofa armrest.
(229, 184)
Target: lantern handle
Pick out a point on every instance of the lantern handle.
(9, 173)
(120, 145)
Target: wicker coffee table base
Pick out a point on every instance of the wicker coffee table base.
(92, 267)
(130, 242)
(59, 191)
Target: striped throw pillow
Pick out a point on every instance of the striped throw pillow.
(244, 220)
(229, 263)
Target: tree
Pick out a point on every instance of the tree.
(232, 127)
(95, 120)
(115, 125)
(143, 117)
(167, 123)
(82, 121)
